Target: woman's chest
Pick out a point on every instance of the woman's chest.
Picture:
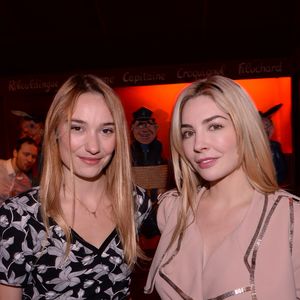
(85, 271)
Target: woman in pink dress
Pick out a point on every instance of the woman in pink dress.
(228, 231)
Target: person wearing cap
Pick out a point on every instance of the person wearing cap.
(146, 149)
(13, 172)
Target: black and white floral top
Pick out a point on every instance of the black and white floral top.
(35, 262)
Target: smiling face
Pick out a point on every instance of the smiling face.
(144, 131)
(209, 139)
(90, 142)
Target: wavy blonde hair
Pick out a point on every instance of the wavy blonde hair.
(253, 145)
(119, 178)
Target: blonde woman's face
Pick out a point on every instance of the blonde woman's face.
(209, 139)
(92, 137)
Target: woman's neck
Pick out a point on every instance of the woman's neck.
(233, 189)
(85, 188)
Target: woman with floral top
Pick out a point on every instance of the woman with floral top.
(75, 237)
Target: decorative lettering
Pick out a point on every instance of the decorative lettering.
(143, 77)
(259, 68)
(32, 84)
(191, 75)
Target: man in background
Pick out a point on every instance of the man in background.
(31, 125)
(146, 149)
(13, 172)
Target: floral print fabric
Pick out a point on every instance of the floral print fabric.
(37, 263)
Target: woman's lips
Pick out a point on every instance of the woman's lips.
(206, 163)
(90, 160)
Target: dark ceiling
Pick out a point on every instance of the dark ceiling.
(54, 36)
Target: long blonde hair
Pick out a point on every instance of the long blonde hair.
(118, 172)
(254, 150)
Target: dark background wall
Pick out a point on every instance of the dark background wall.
(51, 36)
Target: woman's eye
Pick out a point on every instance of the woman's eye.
(213, 127)
(187, 134)
(108, 131)
(76, 128)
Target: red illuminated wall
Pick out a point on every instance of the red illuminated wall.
(160, 99)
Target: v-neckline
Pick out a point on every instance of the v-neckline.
(228, 236)
(101, 247)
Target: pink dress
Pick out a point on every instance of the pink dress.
(260, 259)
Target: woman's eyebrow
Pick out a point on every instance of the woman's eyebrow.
(78, 121)
(83, 122)
(186, 126)
(213, 118)
(205, 121)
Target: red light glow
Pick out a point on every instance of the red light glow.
(265, 92)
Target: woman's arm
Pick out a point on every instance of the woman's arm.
(10, 292)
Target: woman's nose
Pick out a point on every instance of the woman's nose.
(201, 142)
(92, 144)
